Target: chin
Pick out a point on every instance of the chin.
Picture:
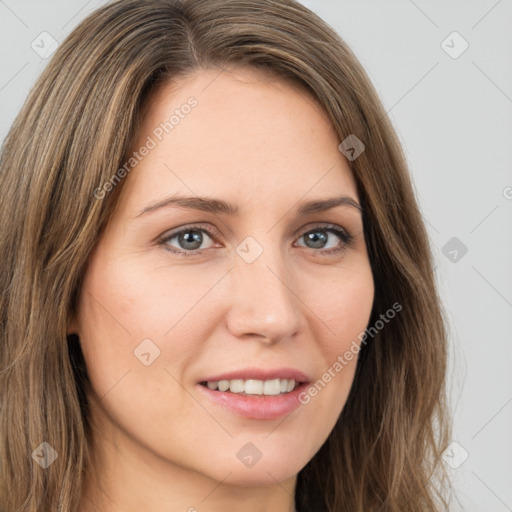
(274, 465)
(263, 476)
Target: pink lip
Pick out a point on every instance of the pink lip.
(258, 407)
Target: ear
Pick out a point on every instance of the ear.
(72, 324)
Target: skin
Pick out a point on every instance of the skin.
(159, 445)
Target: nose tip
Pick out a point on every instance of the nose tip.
(263, 303)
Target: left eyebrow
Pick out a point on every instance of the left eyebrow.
(326, 204)
(212, 205)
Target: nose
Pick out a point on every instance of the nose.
(263, 301)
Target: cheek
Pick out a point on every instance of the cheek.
(343, 304)
(134, 368)
(133, 301)
(152, 299)
(141, 320)
(343, 307)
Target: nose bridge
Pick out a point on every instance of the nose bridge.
(263, 300)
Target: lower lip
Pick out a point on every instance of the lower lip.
(257, 407)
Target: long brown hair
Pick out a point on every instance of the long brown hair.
(72, 135)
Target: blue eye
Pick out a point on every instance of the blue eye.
(319, 242)
(190, 240)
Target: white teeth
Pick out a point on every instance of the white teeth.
(254, 387)
(272, 387)
(236, 386)
(223, 385)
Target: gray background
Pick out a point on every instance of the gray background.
(453, 116)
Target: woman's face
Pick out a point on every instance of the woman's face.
(177, 294)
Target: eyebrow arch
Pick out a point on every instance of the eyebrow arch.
(211, 205)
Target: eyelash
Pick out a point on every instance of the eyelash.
(341, 233)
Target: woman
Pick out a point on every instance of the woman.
(218, 290)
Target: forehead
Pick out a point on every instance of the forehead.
(248, 134)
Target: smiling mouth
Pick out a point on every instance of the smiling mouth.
(252, 387)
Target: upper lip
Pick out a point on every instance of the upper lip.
(259, 374)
